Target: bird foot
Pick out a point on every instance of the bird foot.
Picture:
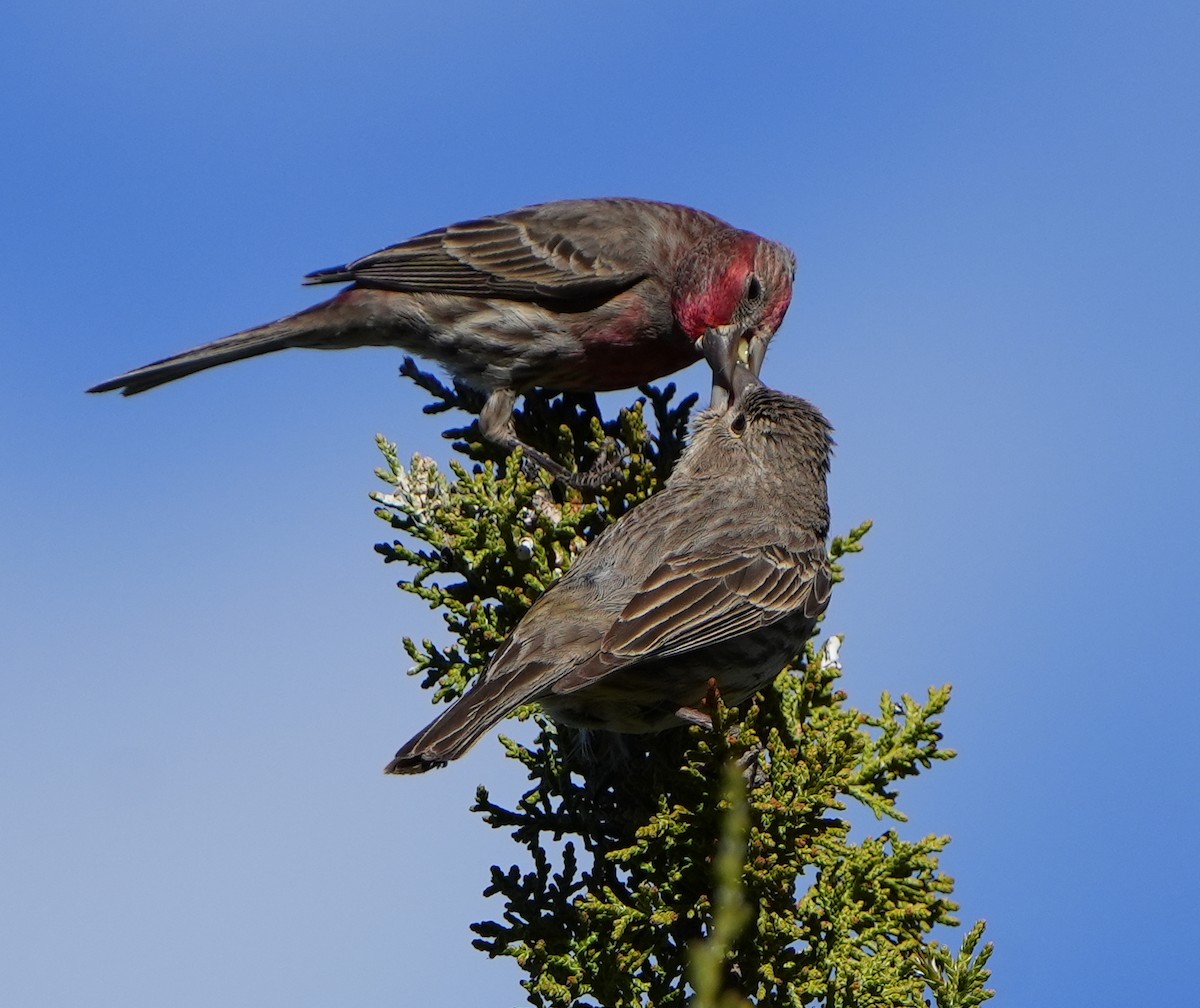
(608, 466)
(753, 768)
(601, 472)
(695, 717)
(707, 714)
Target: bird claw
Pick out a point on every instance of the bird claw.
(531, 468)
(695, 717)
(534, 462)
(705, 715)
(602, 471)
(607, 466)
(753, 770)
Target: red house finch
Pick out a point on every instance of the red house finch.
(576, 296)
(721, 575)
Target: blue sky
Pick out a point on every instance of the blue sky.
(995, 210)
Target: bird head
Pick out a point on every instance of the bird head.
(734, 289)
(761, 430)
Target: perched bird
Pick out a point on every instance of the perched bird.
(720, 576)
(583, 295)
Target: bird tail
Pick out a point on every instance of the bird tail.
(332, 274)
(330, 325)
(471, 717)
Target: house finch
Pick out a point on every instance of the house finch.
(720, 576)
(576, 296)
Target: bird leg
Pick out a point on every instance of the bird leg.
(601, 471)
(692, 716)
(704, 718)
(496, 425)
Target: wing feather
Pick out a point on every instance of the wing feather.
(692, 602)
(519, 256)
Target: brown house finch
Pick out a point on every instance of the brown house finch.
(575, 296)
(719, 576)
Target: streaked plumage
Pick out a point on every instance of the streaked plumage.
(575, 296)
(720, 575)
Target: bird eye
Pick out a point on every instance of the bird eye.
(754, 289)
(738, 424)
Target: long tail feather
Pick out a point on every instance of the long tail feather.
(322, 326)
(483, 707)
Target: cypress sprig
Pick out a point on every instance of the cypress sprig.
(716, 864)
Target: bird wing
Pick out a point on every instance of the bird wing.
(525, 255)
(691, 602)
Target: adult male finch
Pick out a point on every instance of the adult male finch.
(576, 296)
(719, 576)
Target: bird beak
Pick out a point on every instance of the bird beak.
(735, 354)
(756, 352)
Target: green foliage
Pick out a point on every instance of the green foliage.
(957, 981)
(693, 864)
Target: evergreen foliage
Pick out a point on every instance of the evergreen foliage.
(710, 867)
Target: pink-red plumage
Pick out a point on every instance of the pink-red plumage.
(578, 295)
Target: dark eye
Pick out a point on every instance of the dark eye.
(754, 289)
(738, 424)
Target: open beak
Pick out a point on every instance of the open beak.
(735, 356)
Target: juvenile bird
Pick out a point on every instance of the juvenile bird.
(583, 295)
(721, 575)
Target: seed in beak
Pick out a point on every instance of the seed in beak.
(744, 350)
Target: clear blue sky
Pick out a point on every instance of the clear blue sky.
(996, 214)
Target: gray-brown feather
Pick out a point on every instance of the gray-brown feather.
(523, 299)
(721, 575)
(569, 255)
